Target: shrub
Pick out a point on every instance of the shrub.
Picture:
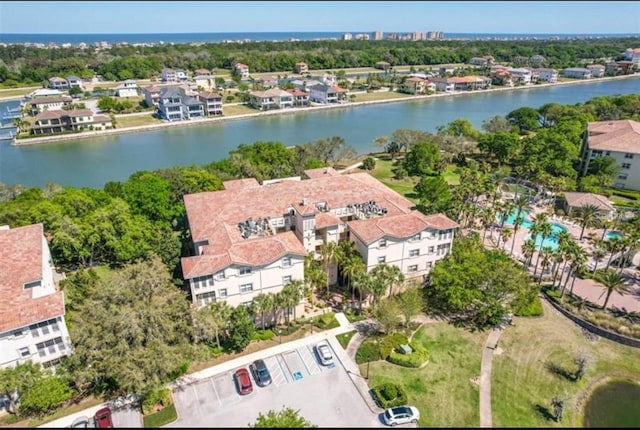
(391, 342)
(160, 397)
(533, 309)
(389, 395)
(368, 351)
(326, 321)
(415, 359)
(263, 335)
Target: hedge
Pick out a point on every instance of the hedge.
(389, 395)
(416, 359)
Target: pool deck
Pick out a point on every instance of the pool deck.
(585, 288)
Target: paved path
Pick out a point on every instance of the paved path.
(485, 377)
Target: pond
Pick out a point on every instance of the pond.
(614, 404)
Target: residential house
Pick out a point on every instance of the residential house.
(175, 105)
(444, 70)
(252, 238)
(171, 75)
(75, 82)
(300, 98)
(485, 61)
(212, 103)
(273, 98)
(577, 72)
(57, 83)
(151, 95)
(242, 69)
(202, 72)
(633, 55)
(573, 202)
(462, 83)
(520, 76)
(383, 65)
(417, 86)
(619, 140)
(268, 81)
(43, 92)
(301, 68)
(597, 70)
(32, 327)
(326, 94)
(544, 75)
(304, 85)
(59, 121)
(128, 88)
(42, 104)
(204, 82)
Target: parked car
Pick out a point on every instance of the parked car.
(103, 418)
(81, 422)
(243, 381)
(401, 415)
(261, 373)
(324, 353)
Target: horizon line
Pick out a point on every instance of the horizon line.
(324, 31)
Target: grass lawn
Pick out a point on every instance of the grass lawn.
(233, 110)
(16, 92)
(136, 120)
(8, 420)
(345, 338)
(381, 95)
(522, 383)
(382, 172)
(443, 389)
(165, 416)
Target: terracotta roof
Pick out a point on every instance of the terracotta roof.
(297, 92)
(21, 254)
(50, 114)
(101, 118)
(239, 184)
(80, 112)
(152, 88)
(577, 200)
(401, 226)
(326, 219)
(57, 79)
(320, 172)
(43, 100)
(618, 136)
(210, 95)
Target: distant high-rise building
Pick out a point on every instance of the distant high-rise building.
(418, 35)
(377, 35)
(362, 36)
(347, 36)
(435, 35)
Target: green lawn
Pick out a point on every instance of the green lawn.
(136, 120)
(382, 172)
(381, 95)
(443, 390)
(165, 416)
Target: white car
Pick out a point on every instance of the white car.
(401, 415)
(324, 353)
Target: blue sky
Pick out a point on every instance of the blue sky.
(556, 17)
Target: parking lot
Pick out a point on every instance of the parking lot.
(324, 395)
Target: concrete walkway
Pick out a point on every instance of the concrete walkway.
(485, 377)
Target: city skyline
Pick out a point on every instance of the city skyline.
(113, 17)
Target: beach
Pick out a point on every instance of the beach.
(290, 111)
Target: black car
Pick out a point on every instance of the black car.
(261, 373)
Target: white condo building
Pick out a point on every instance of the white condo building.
(32, 326)
(252, 238)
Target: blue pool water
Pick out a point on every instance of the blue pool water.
(551, 241)
(612, 235)
(524, 215)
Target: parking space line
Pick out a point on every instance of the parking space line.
(280, 359)
(215, 391)
(308, 359)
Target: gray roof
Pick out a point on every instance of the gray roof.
(170, 92)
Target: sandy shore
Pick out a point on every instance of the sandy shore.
(189, 123)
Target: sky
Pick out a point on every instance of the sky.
(527, 17)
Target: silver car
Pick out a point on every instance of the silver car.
(401, 415)
(324, 353)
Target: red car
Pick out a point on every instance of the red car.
(243, 381)
(103, 418)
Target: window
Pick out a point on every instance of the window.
(24, 351)
(429, 264)
(413, 268)
(416, 237)
(222, 292)
(286, 279)
(431, 250)
(596, 153)
(246, 288)
(206, 297)
(626, 165)
(607, 153)
(414, 253)
(33, 284)
(382, 259)
(245, 270)
(382, 243)
(219, 275)
(627, 155)
(286, 262)
(623, 176)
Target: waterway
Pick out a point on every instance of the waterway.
(95, 161)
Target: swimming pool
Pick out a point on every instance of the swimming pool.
(612, 235)
(524, 216)
(551, 241)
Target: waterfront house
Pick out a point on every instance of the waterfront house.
(43, 92)
(128, 88)
(633, 55)
(173, 75)
(32, 327)
(520, 75)
(305, 84)
(58, 121)
(204, 82)
(202, 72)
(544, 75)
(242, 69)
(619, 140)
(41, 104)
(174, 104)
(326, 94)
(273, 98)
(597, 70)
(462, 83)
(301, 68)
(573, 202)
(212, 103)
(58, 83)
(151, 95)
(414, 85)
(300, 98)
(252, 238)
(577, 73)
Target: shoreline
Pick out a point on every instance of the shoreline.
(289, 111)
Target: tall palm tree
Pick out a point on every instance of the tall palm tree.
(258, 306)
(578, 258)
(598, 254)
(505, 234)
(614, 246)
(328, 252)
(351, 268)
(612, 281)
(487, 218)
(565, 243)
(520, 203)
(588, 217)
(297, 292)
(528, 249)
(547, 255)
(221, 312)
(540, 227)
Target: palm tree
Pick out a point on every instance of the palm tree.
(505, 234)
(578, 261)
(612, 281)
(487, 218)
(540, 227)
(351, 268)
(588, 217)
(598, 254)
(328, 252)
(565, 243)
(298, 292)
(258, 306)
(520, 203)
(547, 255)
(528, 248)
(614, 246)
(221, 312)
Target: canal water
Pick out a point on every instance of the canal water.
(95, 161)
